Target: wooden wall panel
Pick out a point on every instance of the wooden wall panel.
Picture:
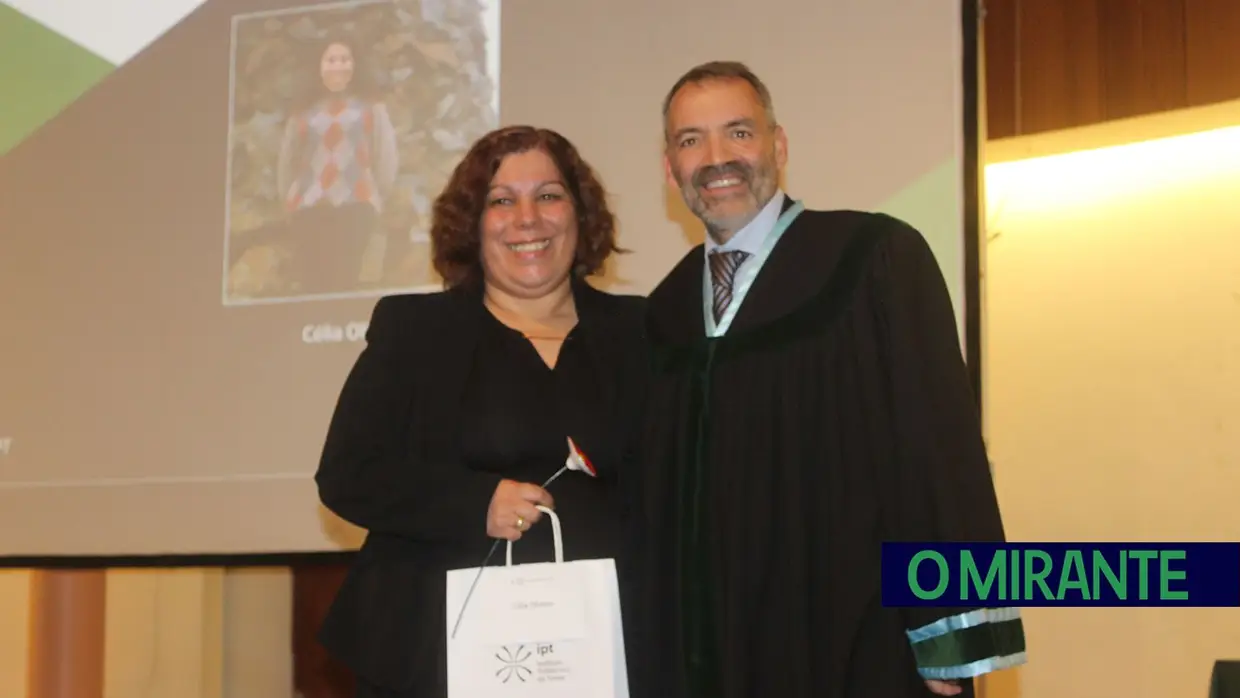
(315, 673)
(999, 56)
(1212, 50)
(1059, 71)
(1054, 64)
(1142, 56)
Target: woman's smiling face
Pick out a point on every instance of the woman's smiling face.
(529, 226)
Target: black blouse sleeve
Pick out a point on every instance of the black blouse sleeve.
(367, 475)
(940, 489)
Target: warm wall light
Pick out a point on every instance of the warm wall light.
(1092, 177)
(1112, 339)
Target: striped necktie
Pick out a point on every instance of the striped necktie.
(723, 266)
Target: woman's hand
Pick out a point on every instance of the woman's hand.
(512, 511)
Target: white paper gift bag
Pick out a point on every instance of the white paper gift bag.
(540, 630)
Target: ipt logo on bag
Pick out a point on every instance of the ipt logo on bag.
(513, 664)
(534, 663)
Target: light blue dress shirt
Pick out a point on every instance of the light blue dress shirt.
(748, 239)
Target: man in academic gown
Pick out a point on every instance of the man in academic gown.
(809, 401)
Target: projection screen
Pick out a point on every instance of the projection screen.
(173, 348)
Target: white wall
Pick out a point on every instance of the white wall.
(1113, 380)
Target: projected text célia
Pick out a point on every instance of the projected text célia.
(329, 333)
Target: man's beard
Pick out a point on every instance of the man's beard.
(758, 181)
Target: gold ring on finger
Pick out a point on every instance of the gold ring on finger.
(520, 523)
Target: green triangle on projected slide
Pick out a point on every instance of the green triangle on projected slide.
(933, 205)
(45, 72)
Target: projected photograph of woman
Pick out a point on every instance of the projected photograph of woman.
(345, 118)
(337, 164)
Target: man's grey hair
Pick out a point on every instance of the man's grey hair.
(721, 70)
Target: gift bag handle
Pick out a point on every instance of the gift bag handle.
(557, 539)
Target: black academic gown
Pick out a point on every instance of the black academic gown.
(836, 413)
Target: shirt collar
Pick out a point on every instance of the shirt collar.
(750, 238)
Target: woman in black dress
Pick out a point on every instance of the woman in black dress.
(463, 401)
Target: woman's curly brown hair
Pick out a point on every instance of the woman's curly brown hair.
(455, 230)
